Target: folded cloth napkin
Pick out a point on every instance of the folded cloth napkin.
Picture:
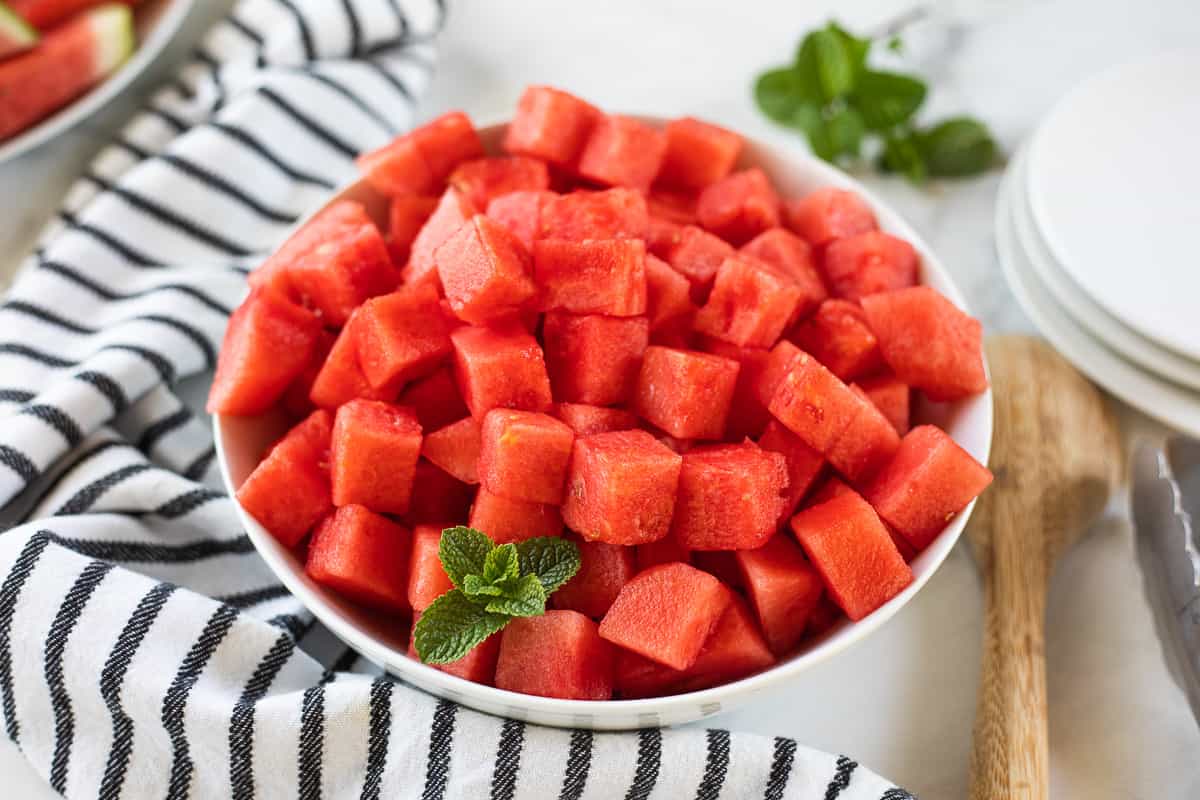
(145, 649)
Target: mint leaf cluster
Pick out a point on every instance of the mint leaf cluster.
(844, 107)
(493, 585)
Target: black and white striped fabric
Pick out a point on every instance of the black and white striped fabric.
(145, 649)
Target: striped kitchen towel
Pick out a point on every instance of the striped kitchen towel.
(145, 649)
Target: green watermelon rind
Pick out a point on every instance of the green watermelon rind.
(16, 35)
(112, 26)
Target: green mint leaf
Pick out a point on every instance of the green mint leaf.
(810, 120)
(475, 586)
(824, 63)
(502, 564)
(528, 599)
(552, 559)
(902, 155)
(856, 48)
(887, 99)
(452, 626)
(463, 552)
(779, 92)
(845, 129)
(957, 147)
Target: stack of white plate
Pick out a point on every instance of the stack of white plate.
(1098, 232)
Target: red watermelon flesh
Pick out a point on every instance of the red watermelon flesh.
(587, 419)
(437, 497)
(792, 256)
(776, 368)
(455, 448)
(362, 555)
(340, 378)
(669, 205)
(559, 654)
(621, 151)
(747, 414)
(402, 336)
(66, 63)
(850, 547)
(865, 447)
(452, 212)
(869, 263)
(621, 488)
(750, 304)
(374, 455)
(662, 235)
(611, 214)
(523, 455)
(484, 179)
(813, 404)
(288, 492)
(296, 400)
(506, 520)
(928, 342)
(891, 396)
(604, 569)
(501, 367)
(668, 297)
(268, 343)
(666, 613)
(550, 124)
(16, 35)
(593, 358)
(927, 483)
(478, 666)
(827, 214)
(427, 579)
(485, 271)
(446, 142)
(435, 399)
(593, 276)
(803, 464)
(46, 14)
(721, 564)
(686, 394)
(734, 650)
(831, 487)
(664, 551)
(407, 214)
(838, 336)
(730, 497)
(521, 213)
(739, 206)
(697, 256)
(784, 589)
(698, 154)
(397, 168)
(824, 616)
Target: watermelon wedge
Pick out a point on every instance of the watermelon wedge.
(16, 35)
(45, 14)
(69, 61)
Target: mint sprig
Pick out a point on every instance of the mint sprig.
(843, 106)
(493, 584)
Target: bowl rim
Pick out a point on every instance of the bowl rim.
(593, 713)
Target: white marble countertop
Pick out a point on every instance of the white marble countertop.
(901, 702)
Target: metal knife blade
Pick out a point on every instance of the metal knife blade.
(1166, 508)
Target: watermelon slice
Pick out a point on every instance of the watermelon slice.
(45, 14)
(16, 35)
(69, 61)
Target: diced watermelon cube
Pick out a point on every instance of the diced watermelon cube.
(446, 142)
(750, 304)
(698, 153)
(587, 419)
(484, 179)
(813, 404)
(268, 343)
(559, 654)
(824, 616)
(721, 564)
(869, 263)
(437, 496)
(928, 342)
(288, 492)
(611, 214)
(828, 213)
(729, 498)
(455, 448)
(850, 547)
(402, 336)
(784, 589)
(593, 358)
(803, 464)
(891, 396)
(687, 394)
(662, 235)
(621, 151)
(739, 206)
(776, 368)
(672, 206)
(435, 399)
(296, 400)
(666, 613)
(340, 378)
(452, 212)
(524, 454)
(604, 569)
(407, 214)
(697, 256)
(500, 367)
(792, 256)
(668, 294)
(747, 414)
(506, 520)
(374, 455)
(427, 579)
(831, 487)
(927, 483)
(362, 555)
(838, 336)
(521, 213)
(397, 168)
(621, 488)
(485, 271)
(865, 447)
(594, 276)
(665, 551)
(478, 666)
(550, 124)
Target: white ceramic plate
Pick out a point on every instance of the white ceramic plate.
(156, 21)
(241, 441)
(1127, 342)
(1165, 401)
(1113, 176)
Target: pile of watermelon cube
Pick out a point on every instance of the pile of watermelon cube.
(610, 332)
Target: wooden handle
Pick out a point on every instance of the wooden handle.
(1010, 759)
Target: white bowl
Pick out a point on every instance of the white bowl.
(241, 441)
(155, 22)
